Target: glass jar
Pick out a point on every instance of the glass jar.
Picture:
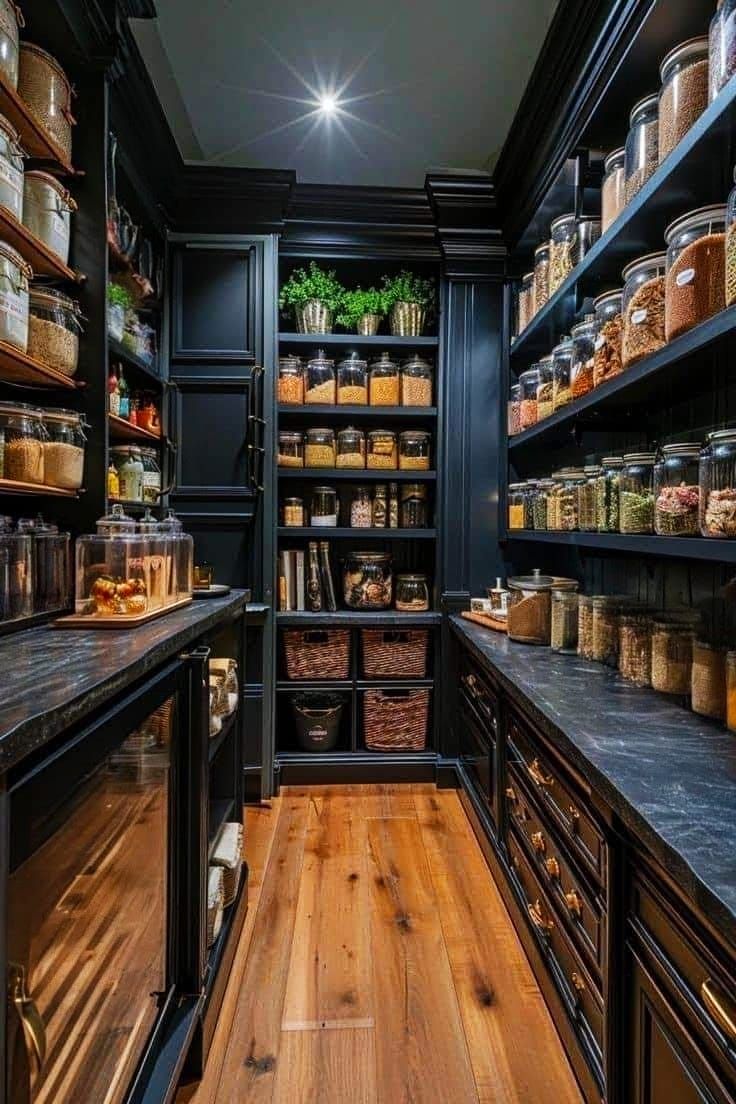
(561, 365)
(292, 513)
(514, 410)
(606, 610)
(117, 522)
(352, 381)
(641, 156)
(731, 691)
(553, 501)
(588, 231)
(382, 449)
(15, 275)
(696, 266)
(526, 301)
(608, 334)
(319, 448)
(563, 248)
(380, 506)
(323, 511)
(607, 494)
(676, 491)
(583, 357)
(672, 656)
(11, 163)
(351, 448)
(636, 493)
(530, 494)
(542, 494)
(129, 463)
(731, 240)
(17, 582)
(10, 20)
(367, 581)
(412, 593)
(684, 94)
(319, 380)
(51, 565)
(46, 92)
(414, 450)
(291, 449)
(545, 388)
(635, 648)
(643, 308)
(517, 505)
(384, 382)
(529, 382)
(564, 634)
(63, 449)
(152, 482)
(54, 326)
(587, 499)
(23, 436)
(416, 382)
(291, 381)
(568, 500)
(613, 192)
(413, 510)
(361, 509)
(529, 617)
(541, 275)
(717, 479)
(47, 212)
(708, 685)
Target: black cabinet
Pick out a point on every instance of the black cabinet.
(216, 293)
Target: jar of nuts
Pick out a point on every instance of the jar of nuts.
(382, 449)
(352, 381)
(319, 448)
(384, 382)
(319, 381)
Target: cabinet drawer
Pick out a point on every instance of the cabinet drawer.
(477, 753)
(478, 693)
(558, 797)
(584, 915)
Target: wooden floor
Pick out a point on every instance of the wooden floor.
(378, 964)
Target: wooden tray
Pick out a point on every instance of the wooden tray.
(485, 620)
(92, 621)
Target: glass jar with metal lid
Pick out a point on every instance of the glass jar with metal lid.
(607, 494)
(47, 212)
(367, 581)
(129, 463)
(361, 509)
(414, 450)
(672, 654)
(152, 481)
(635, 647)
(54, 326)
(413, 509)
(695, 288)
(643, 308)
(541, 275)
(319, 448)
(676, 491)
(529, 382)
(291, 449)
(684, 94)
(526, 301)
(11, 165)
(545, 387)
(636, 493)
(351, 448)
(641, 156)
(563, 250)
(613, 191)
(383, 385)
(554, 495)
(290, 386)
(412, 593)
(352, 381)
(15, 275)
(731, 228)
(383, 450)
(517, 505)
(717, 479)
(608, 335)
(292, 513)
(11, 19)
(568, 500)
(63, 449)
(44, 88)
(319, 380)
(588, 231)
(587, 499)
(416, 382)
(564, 630)
(561, 365)
(542, 492)
(585, 626)
(22, 438)
(529, 606)
(708, 683)
(323, 512)
(583, 357)
(514, 409)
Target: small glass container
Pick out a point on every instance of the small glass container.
(635, 648)
(672, 656)
(10, 20)
(414, 450)
(498, 596)
(561, 365)
(351, 448)
(384, 389)
(606, 610)
(540, 503)
(352, 381)
(545, 388)
(54, 326)
(529, 617)
(291, 449)
(677, 491)
(380, 506)
(514, 410)
(22, 436)
(526, 301)
(11, 159)
(323, 511)
(563, 250)
(717, 479)
(583, 357)
(529, 382)
(731, 238)
(588, 232)
(51, 564)
(291, 381)
(541, 275)
(319, 380)
(642, 156)
(564, 635)
(382, 449)
(17, 582)
(319, 448)
(643, 308)
(717, 51)
(731, 691)
(607, 494)
(393, 505)
(517, 505)
(63, 449)
(361, 509)
(695, 288)
(636, 493)
(568, 500)
(367, 581)
(152, 480)
(613, 192)
(587, 499)
(412, 593)
(292, 513)
(15, 275)
(413, 508)
(684, 94)
(416, 382)
(47, 212)
(608, 335)
(708, 685)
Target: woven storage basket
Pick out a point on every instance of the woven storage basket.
(395, 653)
(395, 720)
(215, 902)
(317, 653)
(228, 854)
(44, 87)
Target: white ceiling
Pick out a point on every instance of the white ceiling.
(423, 84)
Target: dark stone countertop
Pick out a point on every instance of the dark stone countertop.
(52, 678)
(668, 774)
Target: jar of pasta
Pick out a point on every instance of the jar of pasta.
(643, 308)
(695, 287)
(382, 449)
(319, 448)
(319, 380)
(291, 450)
(352, 381)
(583, 354)
(717, 480)
(291, 381)
(351, 448)
(414, 450)
(384, 382)
(545, 387)
(561, 365)
(608, 334)
(563, 247)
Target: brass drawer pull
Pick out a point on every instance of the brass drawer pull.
(34, 1030)
(574, 817)
(538, 775)
(574, 903)
(511, 794)
(577, 982)
(553, 868)
(539, 843)
(721, 1008)
(538, 920)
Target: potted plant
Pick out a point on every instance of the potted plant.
(314, 296)
(410, 299)
(362, 311)
(119, 301)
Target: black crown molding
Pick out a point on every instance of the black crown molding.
(220, 199)
(465, 214)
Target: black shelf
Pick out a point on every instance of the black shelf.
(221, 810)
(225, 732)
(689, 548)
(308, 411)
(293, 686)
(359, 475)
(357, 617)
(381, 341)
(119, 352)
(322, 532)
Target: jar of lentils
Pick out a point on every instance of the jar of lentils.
(607, 494)
(695, 287)
(587, 499)
(717, 478)
(636, 490)
(583, 354)
(561, 365)
(684, 94)
(676, 491)
(635, 648)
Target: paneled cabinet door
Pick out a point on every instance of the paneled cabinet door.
(217, 298)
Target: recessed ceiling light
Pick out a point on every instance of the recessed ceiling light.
(328, 104)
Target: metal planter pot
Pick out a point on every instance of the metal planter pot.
(314, 318)
(368, 324)
(407, 319)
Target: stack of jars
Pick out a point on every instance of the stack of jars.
(134, 474)
(571, 238)
(43, 447)
(353, 382)
(35, 568)
(356, 449)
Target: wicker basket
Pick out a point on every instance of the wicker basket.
(395, 653)
(396, 720)
(43, 84)
(317, 653)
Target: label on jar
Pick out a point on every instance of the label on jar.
(11, 186)
(324, 521)
(685, 277)
(151, 486)
(58, 239)
(638, 317)
(13, 317)
(600, 341)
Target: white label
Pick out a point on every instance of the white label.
(600, 341)
(151, 486)
(11, 187)
(59, 235)
(685, 277)
(325, 521)
(638, 317)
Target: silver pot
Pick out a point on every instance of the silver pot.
(314, 318)
(368, 324)
(407, 319)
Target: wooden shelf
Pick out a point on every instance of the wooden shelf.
(34, 138)
(318, 532)
(17, 367)
(359, 475)
(122, 430)
(119, 352)
(384, 341)
(688, 548)
(307, 412)
(391, 618)
(41, 259)
(15, 487)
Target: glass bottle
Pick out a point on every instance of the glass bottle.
(113, 395)
(413, 512)
(361, 509)
(393, 505)
(676, 491)
(588, 231)
(717, 51)
(635, 648)
(636, 493)
(731, 246)
(323, 511)
(380, 506)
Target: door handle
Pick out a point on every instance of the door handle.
(34, 1029)
(721, 1008)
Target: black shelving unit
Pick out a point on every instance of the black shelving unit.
(356, 341)
(359, 475)
(321, 532)
(683, 548)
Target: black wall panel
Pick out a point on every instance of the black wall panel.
(216, 295)
(211, 430)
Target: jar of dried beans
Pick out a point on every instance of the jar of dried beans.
(608, 335)
(613, 192)
(585, 626)
(717, 479)
(564, 634)
(708, 684)
(319, 380)
(731, 247)
(607, 494)
(696, 264)
(676, 491)
(541, 275)
(319, 448)
(606, 610)
(545, 403)
(636, 493)
(568, 500)
(291, 450)
(414, 450)
(529, 382)
(561, 364)
(63, 449)
(23, 437)
(583, 354)
(517, 505)
(382, 449)
(635, 648)
(416, 382)
(54, 326)
(350, 448)
(643, 308)
(684, 94)
(514, 409)
(672, 656)
(641, 156)
(587, 499)
(352, 381)
(525, 302)
(563, 247)
(290, 387)
(384, 382)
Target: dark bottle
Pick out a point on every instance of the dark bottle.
(327, 584)
(314, 587)
(393, 506)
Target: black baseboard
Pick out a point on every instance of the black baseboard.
(252, 784)
(447, 776)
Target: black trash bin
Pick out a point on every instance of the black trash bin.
(317, 718)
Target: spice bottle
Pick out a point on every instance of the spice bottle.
(717, 478)
(684, 94)
(708, 686)
(641, 156)
(643, 308)
(561, 364)
(583, 352)
(676, 491)
(607, 336)
(636, 491)
(696, 265)
(613, 191)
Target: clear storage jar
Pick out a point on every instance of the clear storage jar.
(323, 511)
(607, 494)
(152, 482)
(636, 493)
(514, 409)
(319, 380)
(367, 581)
(643, 308)
(545, 388)
(696, 265)
(642, 155)
(588, 233)
(54, 326)
(529, 382)
(63, 449)
(717, 479)
(11, 20)
(11, 164)
(517, 505)
(416, 382)
(563, 249)
(290, 388)
(585, 626)
(44, 88)
(414, 450)
(414, 506)
(635, 648)
(319, 448)
(22, 437)
(47, 212)
(554, 496)
(350, 448)
(564, 633)
(606, 610)
(587, 499)
(677, 491)
(129, 464)
(541, 275)
(352, 381)
(540, 503)
(384, 380)
(383, 449)
(613, 192)
(529, 498)
(684, 94)
(731, 245)
(583, 357)
(608, 336)
(672, 656)
(15, 274)
(292, 513)
(16, 573)
(526, 301)
(361, 509)
(568, 500)
(708, 683)
(291, 449)
(412, 593)
(561, 365)
(51, 564)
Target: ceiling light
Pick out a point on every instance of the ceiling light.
(328, 104)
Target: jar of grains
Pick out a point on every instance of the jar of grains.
(606, 610)
(63, 449)
(676, 491)
(514, 409)
(613, 192)
(54, 326)
(583, 354)
(641, 156)
(635, 648)
(416, 382)
(684, 94)
(636, 493)
(292, 513)
(608, 335)
(351, 448)
(545, 387)
(564, 633)
(587, 499)
(731, 245)
(352, 381)
(561, 365)
(672, 656)
(607, 494)
(414, 450)
(323, 509)
(585, 626)
(384, 382)
(413, 509)
(46, 92)
(361, 508)
(568, 500)
(529, 617)
(23, 436)
(542, 495)
(291, 449)
(717, 479)
(291, 381)
(319, 380)
(526, 301)
(382, 449)
(529, 382)
(319, 448)
(412, 593)
(541, 275)
(696, 267)
(15, 274)
(643, 306)
(708, 685)
(47, 212)
(554, 496)
(10, 20)
(517, 511)
(530, 495)
(731, 691)
(588, 232)
(563, 249)
(11, 162)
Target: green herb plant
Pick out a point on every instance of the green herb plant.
(359, 302)
(407, 287)
(118, 296)
(313, 284)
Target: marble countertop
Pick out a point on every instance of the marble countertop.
(52, 678)
(667, 773)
